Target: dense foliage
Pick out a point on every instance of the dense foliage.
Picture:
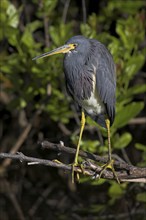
(34, 92)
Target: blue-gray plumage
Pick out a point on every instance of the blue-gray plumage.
(90, 78)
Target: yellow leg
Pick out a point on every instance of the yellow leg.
(107, 121)
(110, 162)
(78, 146)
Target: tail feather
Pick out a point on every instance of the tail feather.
(100, 119)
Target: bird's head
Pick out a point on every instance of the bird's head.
(75, 45)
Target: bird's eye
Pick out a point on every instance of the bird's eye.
(75, 45)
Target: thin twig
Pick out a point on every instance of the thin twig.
(125, 156)
(21, 139)
(14, 200)
(100, 137)
(137, 121)
(46, 26)
(64, 129)
(20, 156)
(66, 6)
(18, 144)
(84, 11)
(133, 215)
(40, 199)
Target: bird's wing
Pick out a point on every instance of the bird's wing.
(106, 79)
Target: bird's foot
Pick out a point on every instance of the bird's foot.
(74, 174)
(57, 161)
(109, 165)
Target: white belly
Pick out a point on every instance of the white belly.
(93, 105)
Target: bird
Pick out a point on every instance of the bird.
(90, 77)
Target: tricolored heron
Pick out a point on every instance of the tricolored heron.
(91, 82)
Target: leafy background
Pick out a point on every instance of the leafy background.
(33, 93)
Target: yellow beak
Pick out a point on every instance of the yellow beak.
(63, 49)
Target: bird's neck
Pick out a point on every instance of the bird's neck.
(74, 59)
(78, 80)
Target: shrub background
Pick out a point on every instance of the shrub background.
(33, 97)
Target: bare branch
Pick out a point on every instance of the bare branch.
(46, 26)
(20, 156)
(125, 168)
(84, 11)
(11, 195)
(18, 144)
(88, 168)
(21, 139)
(141, 120)
(61, 148)
(66, 6)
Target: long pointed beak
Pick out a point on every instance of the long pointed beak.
(63, 49)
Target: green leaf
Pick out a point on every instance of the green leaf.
(49, 5)
(140, 147)
(126, 113)
(47, 8)
(131, 32)
(115, 191)
(60, 33)
(13, 15)
(134, 64)
(123, 141)
(12, 35)
(22, 103)
(132, 91)
(89, 30)
(120, 30)
(141, 197)
(86, 30)
(33, 26)
(125, 6)
(96, 208)
(27, 37)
